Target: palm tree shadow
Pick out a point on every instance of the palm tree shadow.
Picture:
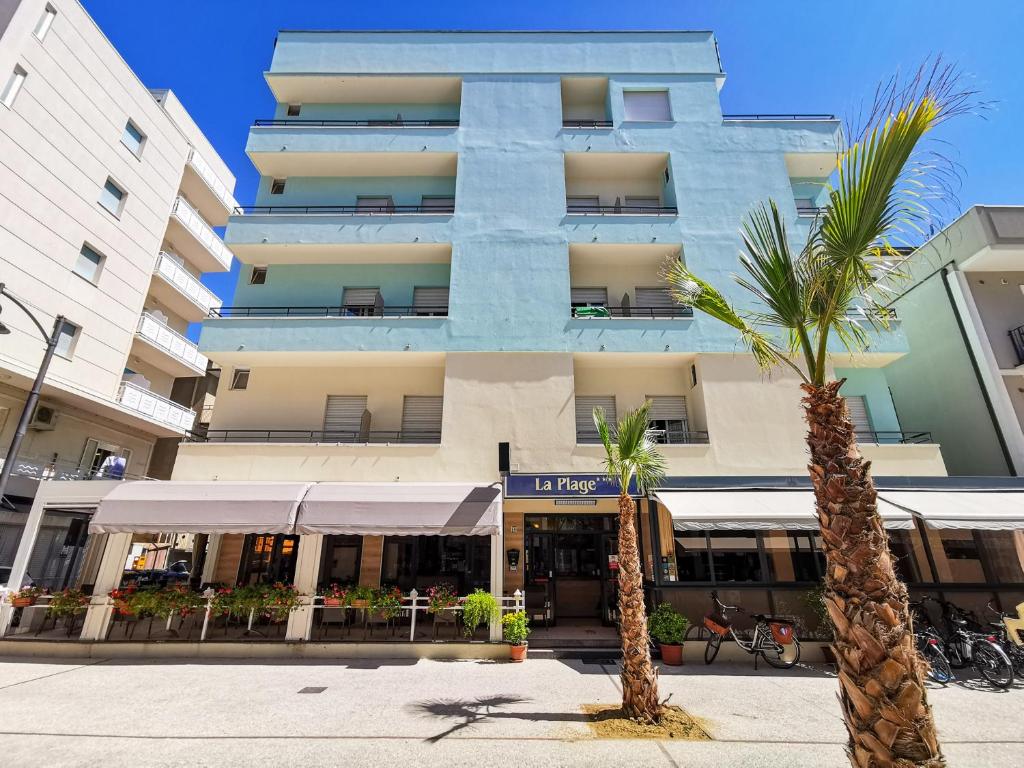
(470, 712)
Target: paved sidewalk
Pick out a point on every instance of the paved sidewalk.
(456, 713)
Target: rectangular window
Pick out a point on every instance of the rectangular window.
(258, 276)
(735, 556)
(88, 263)
(362, 302)
(805, 206)
(277, 186)
(294, 110)
(45, 22)
(692, 563)
(112, 198)
(375, 204)
(586, 432)
(346, 419)
(240, 378)
(67, 339)
(133, 138)
(647, 106)
(421, 419)
(667, 417)
(430, 302)
(14, 83)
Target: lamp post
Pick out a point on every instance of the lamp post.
(37, 385)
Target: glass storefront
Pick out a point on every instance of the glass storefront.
(419, 562)
(268, 559)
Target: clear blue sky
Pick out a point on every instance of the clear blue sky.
(779, 57)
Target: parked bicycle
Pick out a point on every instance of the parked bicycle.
(930, 644)
(773, 639)
(1009, 632)
(964, 646)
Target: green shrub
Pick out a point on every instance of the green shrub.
(667, 625)
(478, 608)
(516, 627)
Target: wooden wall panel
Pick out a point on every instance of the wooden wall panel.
(369, 566)
(229, 558)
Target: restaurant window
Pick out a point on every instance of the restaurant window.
(340, 560)
(735, 556)
(423, 561)
(794, 556)
(962, 556)
(692, 556)
(268, 559)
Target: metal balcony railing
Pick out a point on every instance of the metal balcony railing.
(397, 123)
(171, 342)
(1017, 337)
(892, 437)
(351, 310)
(809, 213)
(41, 468)
(425, 437)
(778, 117)
(634, 312)
(586, 123)
(622, 210)
(345, 210)
(664, 437)
(208, 175)
(203, 232)
(154, 407)
(175, 274)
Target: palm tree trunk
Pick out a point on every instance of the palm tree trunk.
(639, 684)
(880, 672)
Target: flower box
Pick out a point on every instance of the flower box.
(360, 603)
(23, 602)
(332, 602)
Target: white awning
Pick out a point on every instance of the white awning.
(401, 509)
(224, 506)
(969, 510)
(738, 510)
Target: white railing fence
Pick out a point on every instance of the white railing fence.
(158, 333)
(203, 232)
(207, 174)
(186, 283)
(155, 407)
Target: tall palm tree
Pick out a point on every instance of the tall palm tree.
(631, 457)
(835, 288)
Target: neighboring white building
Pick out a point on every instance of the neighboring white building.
(109, 193)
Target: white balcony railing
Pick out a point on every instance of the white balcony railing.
(170, 341)
(171, 271)
(202, 231)
(155, 408)
(207, 174)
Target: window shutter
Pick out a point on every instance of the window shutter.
(421, 419)
(641, 205)
(667, 408)
(360, 297)
(583, 203)
(430, 301)
(375, 204)
(343, 418)
(658, 298)
(858, 409)
(589, 297)
(646, 105)
(445, 204)
(586, 432)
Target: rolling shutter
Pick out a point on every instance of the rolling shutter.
(586, 432)
(589, 297)
(583, 203)
(343, 419)
(360, 297)
(656, 298)
(858, 409)
(375, 204)
(421, 419)
(667, 408)
(430, 301)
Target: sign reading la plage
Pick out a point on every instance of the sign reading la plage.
(562, 486)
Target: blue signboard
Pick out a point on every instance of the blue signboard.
(563, 486)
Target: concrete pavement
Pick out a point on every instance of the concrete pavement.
(451, 713)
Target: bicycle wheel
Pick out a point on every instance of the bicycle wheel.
(782, 656)
(711, 649)
(993, 665)
(938, 665)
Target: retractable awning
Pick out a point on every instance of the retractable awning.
(738, 510)
(224, 506)
(966, 510)
(401, 509)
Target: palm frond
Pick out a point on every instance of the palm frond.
(631, 452)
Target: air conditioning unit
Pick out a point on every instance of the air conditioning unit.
(43, 417)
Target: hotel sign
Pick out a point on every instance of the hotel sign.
(562, 486)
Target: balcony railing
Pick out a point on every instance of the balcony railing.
(771, 117)
(633, 312)
(299, 123)
(187, 285)
(202, 231)
(586, 123)
(344, 210)
(208, 175)
(891, 437)
(622, 210)
(40, 468)
(1017, 337)
(171, 342)
(154, 407)
(664, 437)
(809, 213)
(352, 310)
(425, 437)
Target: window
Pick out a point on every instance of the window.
(430, 302)
(735, 556)
(240, 378)
(277, 186)
(439, 203)
(346, 419)
(962, 556)
(656, 302)
(88, 264)
(583, 204)
(67, 339)
(668, 418)
(362, 302)
(793, 556)
(421, 419)
(294, 110)
(133, 138)
(647, 106)
(378, 204)
(14, 83)
(692, 556)
(588, 297)
(586, 432)
(805, 206)
(258, 276)
(112, 198)
(45, 22)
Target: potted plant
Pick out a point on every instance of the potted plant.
(668, 627)
(516, 628)
(335, 596)
(25, 597)
(478, 608)
(386, 602)
(278, 601)
(441, 597)
(123, 598)
(360, 597)
(68, 602)
(814, 601)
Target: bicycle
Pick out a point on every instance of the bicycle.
(773, 639)
(929, 644)
(1009, 641)
(965, 647)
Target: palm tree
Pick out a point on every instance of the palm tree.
(631, 456)
(834, 287)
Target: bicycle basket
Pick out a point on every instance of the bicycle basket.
(717, 624)
(782, 633)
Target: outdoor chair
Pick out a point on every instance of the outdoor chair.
(334, 617)
(379, 619)
(444, 617)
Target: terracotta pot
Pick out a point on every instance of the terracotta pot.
(360, 603)
(23, 602)
(671, 654)
(332, 602)
(517, 652)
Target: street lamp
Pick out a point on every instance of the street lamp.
(33, 396)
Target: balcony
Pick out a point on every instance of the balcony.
(156, 408)
(585, 206)
(195, 240)
(631, 312)
(411, 437)
(45, 468)
(167, 349)
(361, 209)
(894, 437)
(350, 311)
(585, 103)
(204, 187)
(180, 291)
(295, 122)
(628, 184)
